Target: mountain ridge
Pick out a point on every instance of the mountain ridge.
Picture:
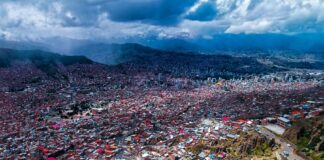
(45, 61)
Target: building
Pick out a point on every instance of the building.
(297, 114)
(283, 122)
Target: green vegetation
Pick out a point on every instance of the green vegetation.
(262, 150)
(308, 136)
(196, 149)
(315, 140)
(246, 146)
(303, 138)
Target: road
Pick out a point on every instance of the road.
(285, 146)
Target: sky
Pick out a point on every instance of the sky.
(163, 19)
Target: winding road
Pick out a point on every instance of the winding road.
(285, 146)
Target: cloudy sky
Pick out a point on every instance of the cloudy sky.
(122, 19)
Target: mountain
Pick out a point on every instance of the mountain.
(178, 63)
(23, 45)
(296, 43)
(45, 61)
(105, 53)
(112, 53)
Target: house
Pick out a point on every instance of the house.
(297, 114)
(283, 122)
(268, 120)
(306, 107)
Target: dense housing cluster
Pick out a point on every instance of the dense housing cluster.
(132, 112)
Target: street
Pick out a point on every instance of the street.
(284, 146)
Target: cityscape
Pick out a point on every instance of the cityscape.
(155, 80)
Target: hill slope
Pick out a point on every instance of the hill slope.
(45, 61)
(121, 53)
(308, 135)
(112, 53)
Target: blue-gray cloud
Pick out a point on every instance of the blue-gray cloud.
(124, 19)
(159, 12)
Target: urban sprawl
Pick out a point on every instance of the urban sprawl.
(101, 112)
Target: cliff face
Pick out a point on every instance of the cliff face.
(308, 135)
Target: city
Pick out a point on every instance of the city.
(162, 80)
(100, 111)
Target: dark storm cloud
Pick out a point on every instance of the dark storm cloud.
(106, 19)
(160, 12)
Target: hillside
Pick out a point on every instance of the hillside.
(178, 64)
(45, 61)
(22, 45)
(308, 135)
(112, 53)
(291, 62)
(247, 146)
